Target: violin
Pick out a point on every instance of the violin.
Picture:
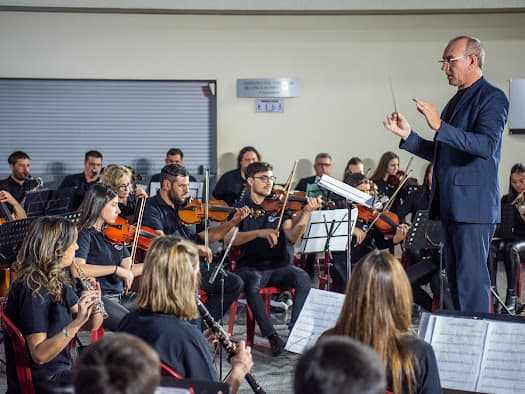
(122, 233)
(386, 222)
(296, 201)
(194, 211)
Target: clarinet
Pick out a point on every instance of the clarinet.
(226, 343)
(99, 305)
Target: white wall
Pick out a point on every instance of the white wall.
(344, 63)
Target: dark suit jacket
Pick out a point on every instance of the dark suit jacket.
(466, 154)
(301, 185)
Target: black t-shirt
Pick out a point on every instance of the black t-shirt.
(160, 216)
(38, 313)
(180, 343)
(427, 374)
(128, 210)
(510, 212)
(418, 200)
(74, 187)
(18, 191)
(229, 187)
(93, 248)
(257, 253)
(387, 190)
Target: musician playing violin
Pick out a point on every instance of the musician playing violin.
(363, 241)
(386, 178)
(161, 214)
(109, 263)
(119, 178)
(511, 247)
(267, 253)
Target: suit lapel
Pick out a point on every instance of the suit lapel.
(466, 97)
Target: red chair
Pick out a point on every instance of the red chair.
(95, 336)
(167, 371)
(22, 358)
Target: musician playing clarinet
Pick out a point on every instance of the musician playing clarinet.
(167, 314)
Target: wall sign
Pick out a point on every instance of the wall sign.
(268, 87)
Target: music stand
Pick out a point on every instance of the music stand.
(327, 231)
(36, 202)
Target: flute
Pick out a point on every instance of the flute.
(226, 343)
(99, 305)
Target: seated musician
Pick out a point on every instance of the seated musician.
(43, 305)
(388, 166)
(161, 214)
(109, 263)
(513, 247)
(166, 318)
(75, 186)
(13, 207)
(354, 165)
(173, 156)
(363, 240)
(119, 178)
(18, 183)
(377, 311)
(232, 185)
(118, 363)
(267, 253)
(322, 165)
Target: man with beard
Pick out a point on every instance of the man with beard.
(18, 184)
(75, 186)
(161, 214)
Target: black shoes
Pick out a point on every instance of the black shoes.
(276, 344)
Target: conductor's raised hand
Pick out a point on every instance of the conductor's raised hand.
(430, 113)
(398, 125)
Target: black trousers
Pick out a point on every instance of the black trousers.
(513, 252)
(286, 277)
(233, 286)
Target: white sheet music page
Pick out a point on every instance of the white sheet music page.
(458, 345)
(503, 363)
(320, 312)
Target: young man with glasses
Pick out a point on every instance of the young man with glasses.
(75, 186)
(465, 151)
(267, 253)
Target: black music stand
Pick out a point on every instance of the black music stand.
(36, 202)
(426, 234)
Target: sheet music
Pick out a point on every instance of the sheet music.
(171, 390)
(320, 312)
(458, 346)
(503, 363)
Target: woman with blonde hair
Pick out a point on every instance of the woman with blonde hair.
(119, 178)
(377, 311)
(43, 305)
(167, 318)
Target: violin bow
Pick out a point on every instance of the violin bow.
(206, 211)
(405, 179)
(289, 184)
(518, 197)
(137, 231)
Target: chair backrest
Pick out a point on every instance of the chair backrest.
(22, 360)
(167, 371)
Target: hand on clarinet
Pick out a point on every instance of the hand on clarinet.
(85, 306)
(242, 361)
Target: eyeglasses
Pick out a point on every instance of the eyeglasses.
(265, 178)
(124, 187)
(450, 61)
